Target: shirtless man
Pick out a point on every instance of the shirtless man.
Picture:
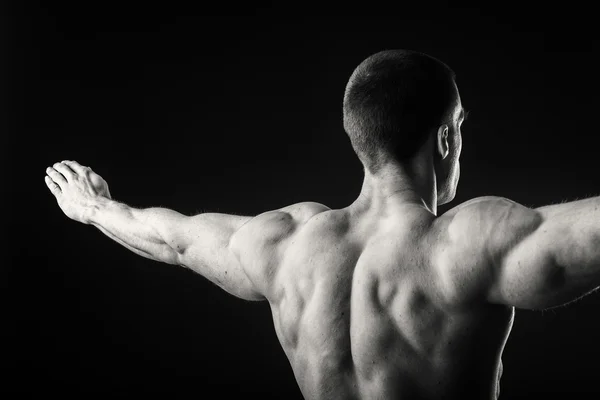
(382, 299)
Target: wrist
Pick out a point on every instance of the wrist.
(92, 213)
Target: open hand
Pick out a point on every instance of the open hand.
(76, 188)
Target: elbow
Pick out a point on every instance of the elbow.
(178, 248)
(172, 256)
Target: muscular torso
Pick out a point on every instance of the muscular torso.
(365, 308)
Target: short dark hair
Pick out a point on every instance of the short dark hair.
(392, 101)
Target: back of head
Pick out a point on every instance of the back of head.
(392, 101)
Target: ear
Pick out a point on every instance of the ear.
(442, 141)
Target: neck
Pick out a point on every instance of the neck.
(394, 184)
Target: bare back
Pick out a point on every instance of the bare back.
(365, 308)
(381, 300)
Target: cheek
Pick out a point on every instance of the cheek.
(458, 150)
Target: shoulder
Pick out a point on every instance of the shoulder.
(261, 241)
(302, 212)
(472, 237)
(478, 205)
(280, 222)
(485, 213)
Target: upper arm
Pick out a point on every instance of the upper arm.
(239, 254)
(520, 248)
(202, 243)
(500, 251)
(557, 261)
(524, 257)
(261, 243)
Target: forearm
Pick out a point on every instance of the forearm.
(139, 230)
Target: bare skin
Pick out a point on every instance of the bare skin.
(361, 309)
(382, 299)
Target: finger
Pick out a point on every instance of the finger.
(56, 176)
(54, 188)
(65, 171)
(75, 166)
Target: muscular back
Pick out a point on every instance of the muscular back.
(372, 303)
(379, 307)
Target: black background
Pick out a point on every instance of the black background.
(242, 114)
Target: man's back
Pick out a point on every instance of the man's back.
(381, 299)
(365, 306)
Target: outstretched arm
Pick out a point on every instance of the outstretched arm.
(202, 243)
(557, 261)
(523, 257)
